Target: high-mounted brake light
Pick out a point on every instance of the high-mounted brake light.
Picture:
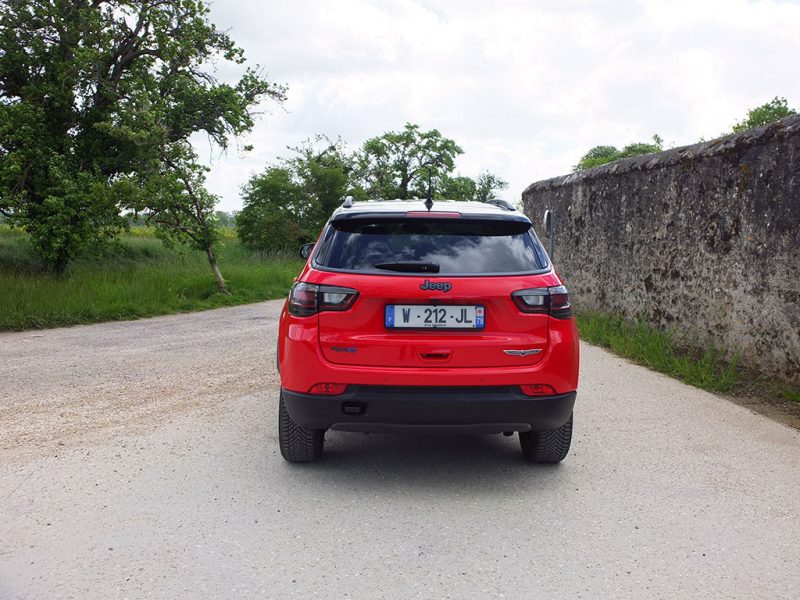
(433, 215)
(553, 301)
(307, 299)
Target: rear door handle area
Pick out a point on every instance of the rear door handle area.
(435, 354)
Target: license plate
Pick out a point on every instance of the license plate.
(422, 316)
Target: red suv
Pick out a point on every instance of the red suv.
(420, 316)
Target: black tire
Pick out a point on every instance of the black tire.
(298, 444)
(549, 446)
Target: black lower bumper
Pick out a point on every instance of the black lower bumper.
(391, 408)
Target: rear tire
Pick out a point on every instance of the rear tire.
(548, 446)
(298, 444)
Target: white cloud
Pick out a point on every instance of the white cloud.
(524, 87)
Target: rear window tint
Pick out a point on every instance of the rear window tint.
(453, 246)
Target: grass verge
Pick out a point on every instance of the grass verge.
(677, 355)
(660, 350)
(134, 277)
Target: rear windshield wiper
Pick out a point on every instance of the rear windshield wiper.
(408, 267)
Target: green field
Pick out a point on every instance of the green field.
(134, 277)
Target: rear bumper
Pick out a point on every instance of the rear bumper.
(391, 408)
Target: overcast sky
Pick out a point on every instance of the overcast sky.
(525, 87)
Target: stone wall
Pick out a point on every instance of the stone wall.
(704, 237)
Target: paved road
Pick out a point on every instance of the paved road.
(139, 460)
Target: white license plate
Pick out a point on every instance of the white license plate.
(423, 316)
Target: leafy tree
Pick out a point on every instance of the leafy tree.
(772, 111)
(224, 219)
(398, 164)
(486, 184)
(465, 188)
(323, 168)
(600, 155)
(287, 205)
(175, 201)
(98, 100)
(275, 213)
(456, 188)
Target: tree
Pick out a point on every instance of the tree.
(767, 113)
(275, 213)
(224, 219)
(98, 100)
(487, 184)
(600, 155)
(288, 204)
(465, 188)
(456, 188)
(398, 164)
(323, 169)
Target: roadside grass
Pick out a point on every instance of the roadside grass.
(136, 276)
(662, 350)
(792, 396)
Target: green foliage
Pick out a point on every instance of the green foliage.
(135, 276)
(486, 185)
(274, 212)
(286, 206)
(98, 101)
(225, 219)
(767, 113)
(456, 188)
(323, 170)
(660, 350)
(465, 188)
(398, 164)
(600, 155)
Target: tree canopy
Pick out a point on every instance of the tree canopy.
(600, 155)
(769, 112)
(398, 164)
(288, 203)
(98, 100)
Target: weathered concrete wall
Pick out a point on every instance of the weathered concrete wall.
(704, 237)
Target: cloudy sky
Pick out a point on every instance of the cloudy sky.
(525, 87)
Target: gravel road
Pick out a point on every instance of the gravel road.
(140, 460)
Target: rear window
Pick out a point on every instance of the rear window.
(443, 245)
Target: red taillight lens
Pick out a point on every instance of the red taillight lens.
(328, 389)
(433, 215)
(538, 389)
(307, 299)
(553, 301)
(303, 299)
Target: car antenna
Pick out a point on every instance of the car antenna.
(429, 198)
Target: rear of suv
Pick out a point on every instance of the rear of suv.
(412, 316)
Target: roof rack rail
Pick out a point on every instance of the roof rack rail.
(505, 205)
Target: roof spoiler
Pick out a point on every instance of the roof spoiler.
(501, 203)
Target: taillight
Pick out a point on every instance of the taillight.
(553, 301)
(307, 299)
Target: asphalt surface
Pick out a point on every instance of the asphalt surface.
(140, 460)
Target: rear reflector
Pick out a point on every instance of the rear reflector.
(328, 389)
(538, 389)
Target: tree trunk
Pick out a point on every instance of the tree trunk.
(212, 260)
